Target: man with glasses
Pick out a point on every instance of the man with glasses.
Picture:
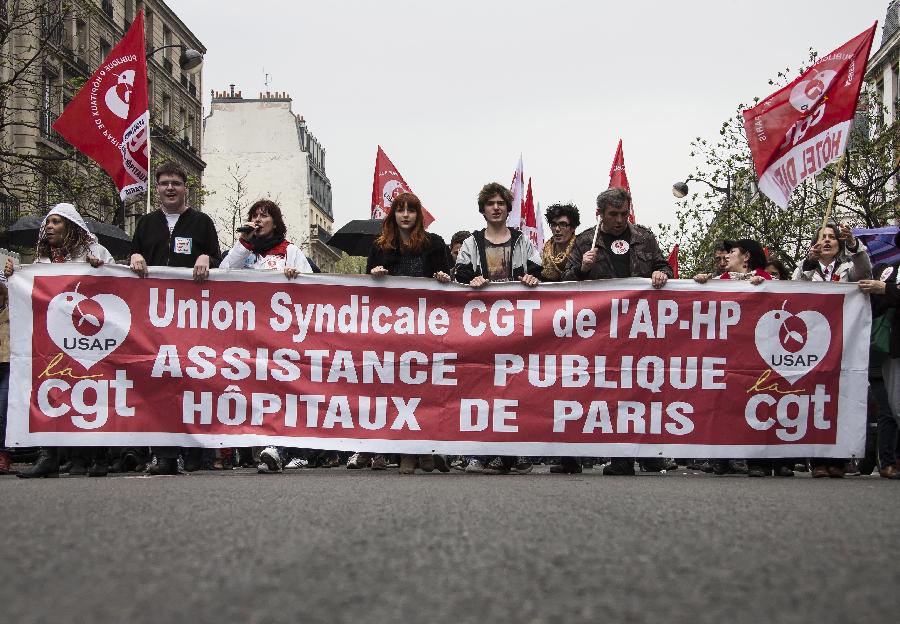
(175, 236)
(563, 220)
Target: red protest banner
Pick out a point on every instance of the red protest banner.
(617, 176)
(797, 131)
(612, 368)
(109, 119)
(388, 183)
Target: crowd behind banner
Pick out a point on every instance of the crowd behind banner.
(176, 235)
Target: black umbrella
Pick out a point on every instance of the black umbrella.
(25, 231)
(356, 237)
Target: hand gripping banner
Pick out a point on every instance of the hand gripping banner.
(604, 368)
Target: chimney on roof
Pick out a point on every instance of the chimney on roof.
(891, 21)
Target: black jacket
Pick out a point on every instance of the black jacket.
(152, 240)
(435, 256)
(646, 256)
(890, 299)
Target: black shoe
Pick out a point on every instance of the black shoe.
(756, 471)
(98, 469)
(619, 467)
(164, 466)
(192, 460)
(721, 467)
(130, 462)
(115, 465)
(46, 466)
(784, 471)
(77, 468)
(567, 465)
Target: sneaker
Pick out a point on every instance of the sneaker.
(355, 462)
(497, 466)
(379, 463)
(459, 464)
(270, 459)
(523, 465)
(474, 466)
(296, 464)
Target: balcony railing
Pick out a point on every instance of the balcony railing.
(9, 210)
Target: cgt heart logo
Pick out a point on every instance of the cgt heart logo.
(87, 329)
(792, 344)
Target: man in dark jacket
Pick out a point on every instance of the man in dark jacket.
(622, 249)
(174, 236)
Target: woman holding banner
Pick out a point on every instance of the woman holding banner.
(405, 249)
(835, 255)
(262, 246)
(65, 237)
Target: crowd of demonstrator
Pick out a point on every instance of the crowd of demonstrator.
(178, 236)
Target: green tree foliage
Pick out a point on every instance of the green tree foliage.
(867, 194)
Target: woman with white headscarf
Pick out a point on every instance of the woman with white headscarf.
(65, 237)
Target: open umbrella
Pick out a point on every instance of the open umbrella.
(356, 237)
(880, 243)
(25, 232)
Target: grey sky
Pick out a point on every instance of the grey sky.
(455, 91)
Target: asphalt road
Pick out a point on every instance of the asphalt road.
(357, 546)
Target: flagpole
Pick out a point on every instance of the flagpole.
(147, 211)
(834, 186)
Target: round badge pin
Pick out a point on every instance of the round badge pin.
(620, 247)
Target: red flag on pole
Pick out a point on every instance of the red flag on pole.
(531, 225)
(617, 176)
(673, 261)
(109, 120)
(795, 132)
(388, 183)
(516, 217)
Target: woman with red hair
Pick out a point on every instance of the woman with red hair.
(405, 249)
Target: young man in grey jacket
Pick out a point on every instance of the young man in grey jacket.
(497, 253)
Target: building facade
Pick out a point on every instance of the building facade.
(258, 148)
(883, 71)
(48, 49)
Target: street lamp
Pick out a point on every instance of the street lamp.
(680, 189)
(190, 59)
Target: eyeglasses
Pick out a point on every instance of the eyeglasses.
(560, 224)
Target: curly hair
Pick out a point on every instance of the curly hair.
(390, 233)
(556, 211)
(491, 189)
(272, 209)
(75, 241)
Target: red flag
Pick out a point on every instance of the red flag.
(388, 183)
(516, 217)
(798, 130)
(530, 223)
(673, 261)
(109, 120)
(618, 178)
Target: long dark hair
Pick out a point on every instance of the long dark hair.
(75, 241)
(271, 209)
(390, 233)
